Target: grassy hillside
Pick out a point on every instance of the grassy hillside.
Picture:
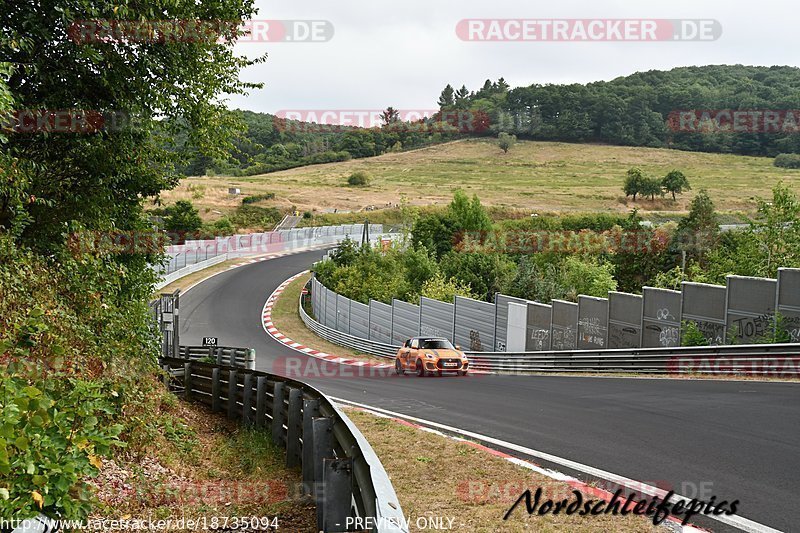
(537, 176)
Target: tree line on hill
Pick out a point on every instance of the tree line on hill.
(635, 110)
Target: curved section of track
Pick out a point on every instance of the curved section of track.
(735, 440)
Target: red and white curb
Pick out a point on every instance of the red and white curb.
(675, 523)
(272, 331)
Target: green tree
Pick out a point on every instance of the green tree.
(651, 187)
(634, 181)
(469, 215)
(776, 229)
(183, 217)
(698, 232)
(434, 231)
(390, 116)
(155, 104)
(588, 276)
(505, 141)
(485, 273)
(445, 290)
(675, 183)
(447, 98)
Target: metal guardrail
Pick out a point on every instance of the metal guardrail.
(222, 355)
(339, 468)
(191, 252)
(751, 359)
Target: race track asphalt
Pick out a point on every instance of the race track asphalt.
(734, 440)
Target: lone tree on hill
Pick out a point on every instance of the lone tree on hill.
(506, 141)
(675, 182)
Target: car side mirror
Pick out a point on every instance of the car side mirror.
(458, 346)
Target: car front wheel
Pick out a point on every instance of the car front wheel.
(420, 370)
(398, 367)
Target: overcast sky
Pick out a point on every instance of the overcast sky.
(403, 53)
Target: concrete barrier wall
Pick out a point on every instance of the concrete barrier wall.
(343, 314)
(540, 317)
(405, 321)
(564, 333)
(592, 323)
(744, 310)
(501, 302)
(359, 319)
(704, 305)
(789, 302)
(661, 318)
(624, 320)
(474, 324)
(436, 318)
(380, 322)
(750, 309)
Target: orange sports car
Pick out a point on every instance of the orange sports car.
(430, 355)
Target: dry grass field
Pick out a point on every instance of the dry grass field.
(532, 176)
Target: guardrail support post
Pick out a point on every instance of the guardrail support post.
(218, 352)
(216, 400)
(165, 368)
(310, 411)
(250, 359)
(247, 400)
(293, 425)
(277, 414)
(232, 392)
(338, 493)
(261, 401)
(187, 381)
(322, 429)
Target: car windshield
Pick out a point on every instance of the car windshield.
(437, 344)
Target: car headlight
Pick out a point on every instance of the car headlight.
(430, 356)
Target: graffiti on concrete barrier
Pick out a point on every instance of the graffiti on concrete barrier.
(669, 336)
(539, 339)
(475, 341)
(591, 331)
(747, 328)
(623, 337)
(713, 332)
(563, 338)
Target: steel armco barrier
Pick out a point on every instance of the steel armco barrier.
(339, 468)
(780, 360)
(222, 355)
